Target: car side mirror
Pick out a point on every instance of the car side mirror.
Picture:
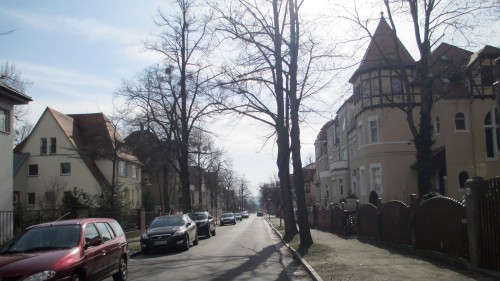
(189, 223)
(93, 242)
(210, 217)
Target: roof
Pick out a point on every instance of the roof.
(446, 64)
(323, 132)
(12, 95)
(19, 159)
(486, 51)
(382, 51)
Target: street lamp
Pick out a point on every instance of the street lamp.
(269, 208)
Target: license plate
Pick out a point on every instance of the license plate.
(160, 242)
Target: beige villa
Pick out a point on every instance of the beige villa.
(368, 145)
(68, 152)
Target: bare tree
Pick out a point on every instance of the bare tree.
(275, 71)
(431, 22)
(171, 94)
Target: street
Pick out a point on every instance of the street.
(248, 250)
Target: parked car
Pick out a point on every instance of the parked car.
(227, 218)
(244, 214)
(238, 216)
(204, 222)
(169, 231)
(260, 214)
(79, 249)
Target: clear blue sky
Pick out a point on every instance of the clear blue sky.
(77, 52)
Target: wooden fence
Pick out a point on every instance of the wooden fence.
(468, 232)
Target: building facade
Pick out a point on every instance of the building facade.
(369, 146)
(76, 152)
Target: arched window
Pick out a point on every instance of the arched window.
(460, 124)
(492, 133)
(462, 178)
(437, 126)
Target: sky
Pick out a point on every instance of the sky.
(77, 53)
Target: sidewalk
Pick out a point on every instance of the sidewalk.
(334, 258)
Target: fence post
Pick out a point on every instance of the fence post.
(413, 210)
(141, 219)
(472, 216)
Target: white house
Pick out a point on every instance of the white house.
(8, 98)
(75, 151)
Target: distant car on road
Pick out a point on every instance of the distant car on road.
(227, 218)
(204, 222)
(244, 214)
(260, 214)
(238, 216)
(169, 232)
(79, 249)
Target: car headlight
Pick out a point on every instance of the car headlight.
(41, 276)
(145, 236)
(179, 232)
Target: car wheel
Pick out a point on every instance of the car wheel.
(121, 275)
(195, 242)
(186, 243)
(209, 233)
(221, 224)
(76, 277)
(213, 232)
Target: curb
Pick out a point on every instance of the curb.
(314, 275)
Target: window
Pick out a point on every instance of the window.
(16, 197)
(373, 130)
(487, 76)
(31, 198)
(43, 146)
(396, 85)
(360, 135)
(122, 169)
(492, 133)
(437, 126)
(460, 122)
(341, 187)
(134, 171)
(4, 120)
(104, 231)
(352, 191)
(49, 198)
(65, 168)
(53, 145)
(33, 170)
(327, 192)
(376, 178)
(90, 232)
(362, 180)
(462, 178)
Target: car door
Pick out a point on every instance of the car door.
(111, 249)
(94, 254)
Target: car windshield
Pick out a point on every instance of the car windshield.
(227, 215)
(198, 216)
(46, 238)
(167, 221)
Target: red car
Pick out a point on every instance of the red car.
(80, 249)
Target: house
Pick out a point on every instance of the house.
(8, 99)
(161, 185)
(368, 145)
(75, 152)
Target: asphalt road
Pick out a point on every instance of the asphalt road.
(248, 250)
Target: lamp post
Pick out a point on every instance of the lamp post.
(269, 208)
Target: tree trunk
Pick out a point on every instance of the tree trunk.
(282, 141)
(298, 176)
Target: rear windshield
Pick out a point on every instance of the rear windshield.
(167, 221)
(198, 216)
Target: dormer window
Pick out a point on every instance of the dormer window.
(444, 58)
(444, 80)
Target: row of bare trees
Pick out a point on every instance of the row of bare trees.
(261, 59)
